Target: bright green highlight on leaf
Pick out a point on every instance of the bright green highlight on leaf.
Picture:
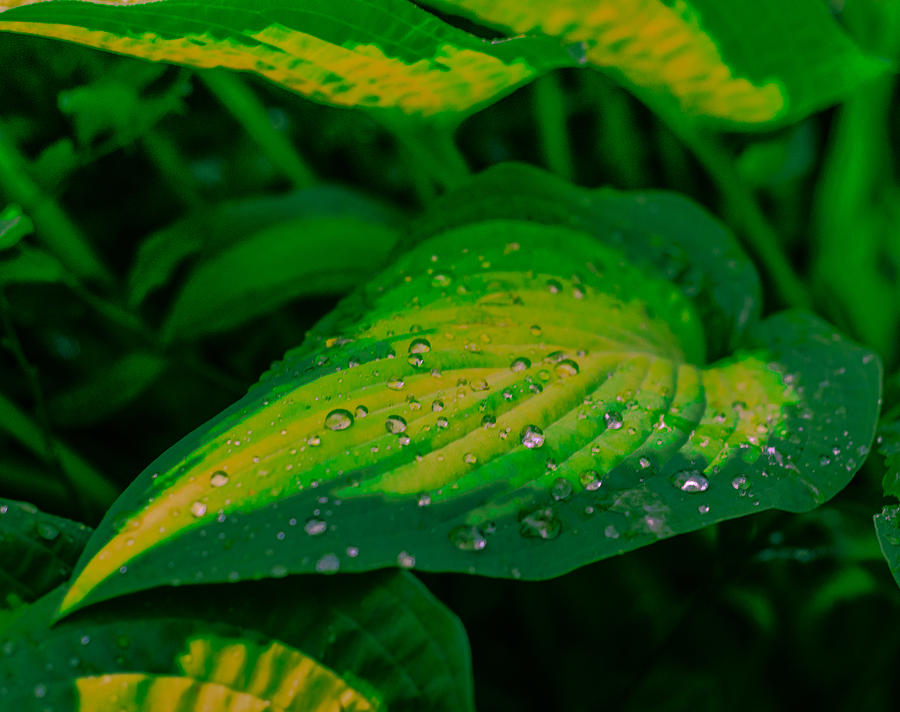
(380, 55)
(509, 398)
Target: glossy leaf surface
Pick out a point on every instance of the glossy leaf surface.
(512, 399)
(378, 55)
(742, 62)
(373, 642)
(887, 523)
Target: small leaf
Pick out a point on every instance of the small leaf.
(741, 62)
(373, 642)
(108, 390)
(512, 399)
(289, 260)
(215, 229)
(30, 266)
(37, 551)
(887, 527)
(386, 55)
(14, 225)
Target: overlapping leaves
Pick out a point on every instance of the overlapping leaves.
(744, 62)
(512, 398)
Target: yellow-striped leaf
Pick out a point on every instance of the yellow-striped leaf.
(512, 398)
(741, 61)
(387, 54)
(354, 644)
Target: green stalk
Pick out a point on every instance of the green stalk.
(434, 151)
(54, 228)
(243, 104)
(550, 115)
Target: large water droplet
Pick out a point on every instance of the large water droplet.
(740, 483)
(690, 481)
(361, 411)
(315, 526)
(590, 480)
(338, 419)
(219, 478)
(419, 346)
(395, 424)
(565, 368)
(613, 419)
(47, 531)
(198, 509)
(437, 406)
(532, 437)
(328, 564)
(520, 364)
(561, 489)
(406, 560)
(467, 538)
(540, 524)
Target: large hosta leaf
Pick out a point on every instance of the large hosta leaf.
(372, 642)
(388, 54)
(510, 398)
(742, 61)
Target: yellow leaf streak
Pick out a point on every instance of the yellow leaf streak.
(226, 675)
(653, 44)
(454, 79)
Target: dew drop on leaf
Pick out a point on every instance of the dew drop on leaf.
(361, 411)
(566, 367)
(396, 385)
(406, 560)
(198, 509)
(47, 531)
(424, 499)
(488, 421)
(690, 481)
(470, 458)
(532, 437)
(614, 420)
(442, 422)
(419, 346)
(219, 478)
(313, 441)
(338, 419)
(395, 424)
(520, 364)
(561, 489)
(328, 564)
(315, 526)
(467, 538)
(590, 480)
(437, 406)
(740, 483)
(540, 524)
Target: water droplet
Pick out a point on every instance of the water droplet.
(561, 489)
(424, 499)
(419, 346)
(740, 483)
(824, 460)
(690, 481)
(532, 437)
(520, 364)
(415, 360)
(535, 330)
(565, 368)
(338, 419)
(613, 419)
(703, 508)
(611, 532)
(590, 480)
(406, 560)
(395, 424)
(40, 691)
(480, 385)
(644, 463)
(328, 564)
(198, 509)
(440, 280)
(442, 422)
(313, 441)
(361, 411)
(396, 385)
(554, 286)
(352, 552)
(437, 406)
(47, 531)
(540, 524)
(219, 478)
(488, 421)
(467, 538)
(315, 526)
(470, 458)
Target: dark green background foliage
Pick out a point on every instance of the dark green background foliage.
(172, 173)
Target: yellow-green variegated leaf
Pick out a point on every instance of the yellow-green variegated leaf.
(388, 54)
(511, 398)
(741, 61)
(353, 644)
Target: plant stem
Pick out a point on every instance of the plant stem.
(550, 116)
(434, 150)
(163, 153)
(54, 228)
(243, 104)
(760, 237)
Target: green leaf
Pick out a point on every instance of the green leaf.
(14, 225)
(379, 55)
(37, 551)
(887, 524)
(509, 398)
(373, 642)
(30, 266)
(741, 62)
(214, 229)
(107, 390)
(887, 527)
(307, 256)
